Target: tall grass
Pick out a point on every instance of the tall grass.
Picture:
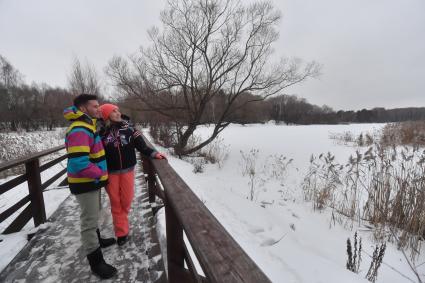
(406, 133)
(383, 186)
(259, 172)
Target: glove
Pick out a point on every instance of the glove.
(159, 155)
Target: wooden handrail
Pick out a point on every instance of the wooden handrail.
(36, 207)
(220, 256)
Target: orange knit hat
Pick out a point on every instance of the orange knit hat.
(106, 110)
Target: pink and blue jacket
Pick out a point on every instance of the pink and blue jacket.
(87, 169)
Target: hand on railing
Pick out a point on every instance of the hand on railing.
(159, 155)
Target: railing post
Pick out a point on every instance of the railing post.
(149, 171)
(175, 248)
(36, 194)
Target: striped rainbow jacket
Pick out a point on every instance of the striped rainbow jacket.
(87, 169)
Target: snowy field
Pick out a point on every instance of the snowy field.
(15, 144)
(287, 239)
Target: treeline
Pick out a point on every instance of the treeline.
(40, 106)
(287, 109)
(294, 110)
(28, 107)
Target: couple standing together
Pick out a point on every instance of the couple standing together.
(98, 158)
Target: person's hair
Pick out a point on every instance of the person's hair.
(83, 98)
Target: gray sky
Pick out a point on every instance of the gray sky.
(372, 51)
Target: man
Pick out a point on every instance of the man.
(87, 174)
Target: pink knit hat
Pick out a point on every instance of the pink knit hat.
(106, 110)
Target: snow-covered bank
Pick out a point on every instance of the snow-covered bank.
(288, 240)
(17, 144)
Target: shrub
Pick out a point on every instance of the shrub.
(216, 152)
(198, 165)
(404, 133)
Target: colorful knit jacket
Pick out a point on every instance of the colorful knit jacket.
(87, 169)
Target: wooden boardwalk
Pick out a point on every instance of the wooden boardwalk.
(54, 254)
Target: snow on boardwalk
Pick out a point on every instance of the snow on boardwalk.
(55, 255)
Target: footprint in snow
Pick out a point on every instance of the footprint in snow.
(270, 241)
(256, 230)
(296, 216)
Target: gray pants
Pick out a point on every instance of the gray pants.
(89, 215)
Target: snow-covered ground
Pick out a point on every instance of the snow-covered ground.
(17, 144)
(287, 239)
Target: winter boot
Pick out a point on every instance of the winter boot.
(99, 266)
(122, 240)
(105, 242)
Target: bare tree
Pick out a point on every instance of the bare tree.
(83, 79)
(9, 76)
(207, 48)
(10, 81)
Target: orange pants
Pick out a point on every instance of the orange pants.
(121, 192)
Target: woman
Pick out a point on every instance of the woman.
(120, 139)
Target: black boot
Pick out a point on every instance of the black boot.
(99, 266)
(122, 240)
(105, 242)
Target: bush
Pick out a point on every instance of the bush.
(198, 165)
(404, 133)
(348, 138)
(216, 152)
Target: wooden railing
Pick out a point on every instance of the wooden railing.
(36, 208)
(220, 256)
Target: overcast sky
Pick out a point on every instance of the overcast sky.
(372, 51)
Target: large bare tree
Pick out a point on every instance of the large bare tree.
(207, 48)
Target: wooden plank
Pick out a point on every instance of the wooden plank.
(8, 212)
(35, 191)
(47, 257)
(220, 256)
(53, 179)
(12, 183)
(20, 221)
(52, 162)
(31, 157)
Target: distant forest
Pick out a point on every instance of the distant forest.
(40, 106)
